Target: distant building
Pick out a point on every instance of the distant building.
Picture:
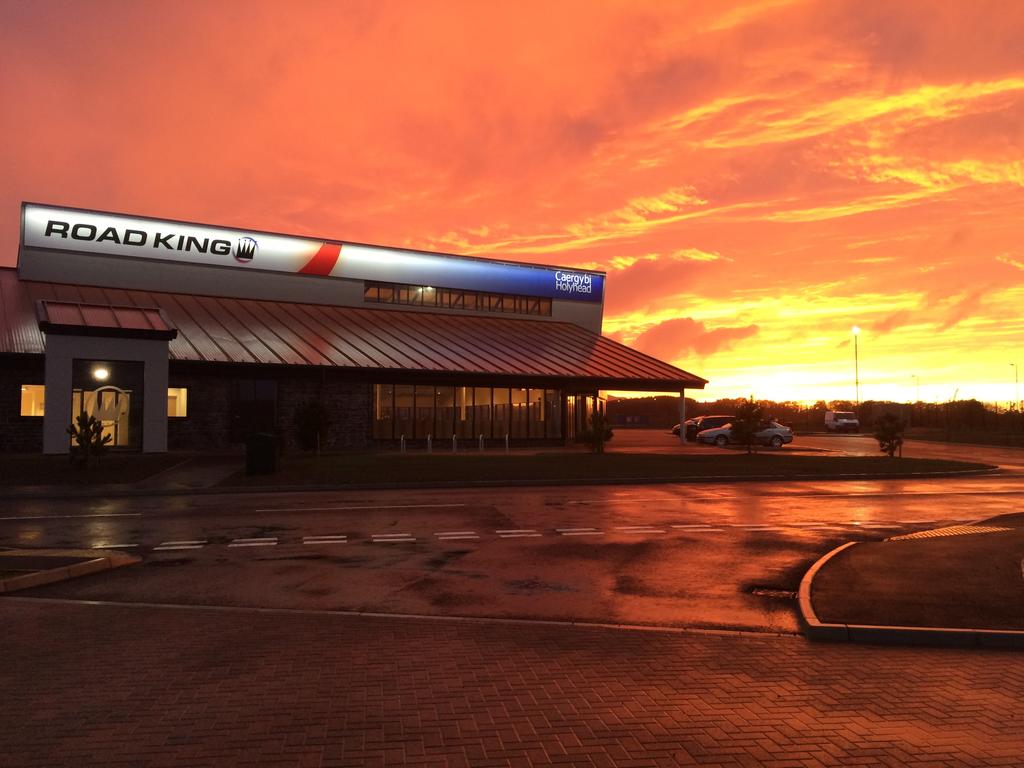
(189, 336)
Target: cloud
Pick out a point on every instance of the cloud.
(1005, 258)
(676, 338)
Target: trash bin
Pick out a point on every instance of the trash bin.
(261, 454)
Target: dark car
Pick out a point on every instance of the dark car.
(699, 424)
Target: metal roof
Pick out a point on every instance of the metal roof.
(228, 330)
(77, 318)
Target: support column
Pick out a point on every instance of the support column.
(682, 416)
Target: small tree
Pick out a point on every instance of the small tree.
(89, 440)
(312, 420)
(598, 433)
(889, 433)
(750, 419)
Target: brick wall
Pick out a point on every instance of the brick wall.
(348, 402)
(19, 434)
(211, 391)
(209, 407)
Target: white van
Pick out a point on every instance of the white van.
(841, 421)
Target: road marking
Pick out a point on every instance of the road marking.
(692, 526)
(257, 542)
(367, 506)
(579, 531)
(327, 539)
(168, 546)
(456, 535)
(518, 533)
(392, 538)
(637, 529)
(72, 517)
(114, 546)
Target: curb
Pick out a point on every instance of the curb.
(115, 492)
(817, 631)
(53, 575)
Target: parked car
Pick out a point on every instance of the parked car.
(841, 421)
(688, 422)
(774, 434)
(695, 425)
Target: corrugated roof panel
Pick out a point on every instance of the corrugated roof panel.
(217, 329)
(325, 341)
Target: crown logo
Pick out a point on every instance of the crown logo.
(245, 249)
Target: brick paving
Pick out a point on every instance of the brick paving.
(96, 685)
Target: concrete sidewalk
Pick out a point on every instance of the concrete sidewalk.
(100, 685)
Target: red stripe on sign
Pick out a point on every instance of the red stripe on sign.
(324, 261)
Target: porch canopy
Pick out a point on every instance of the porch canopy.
(381, 344)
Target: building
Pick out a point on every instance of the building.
(187, 336)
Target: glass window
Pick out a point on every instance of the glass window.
(386, 294)
(177, 402)
(383, 411)
(537, 413)
(404, 411)
(424, 412)
(464, 412)
(482, 411)
(502, 420)
(518, 413)
(444, 412)
(553, 412)
(32, 396)
(371, 292)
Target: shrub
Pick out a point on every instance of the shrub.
(889, 433)
(598, 433)
(750, 419)
(89, 440)
(312, 420)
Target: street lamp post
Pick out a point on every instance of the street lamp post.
(1016, 386)
(917, 397)
(856, 363)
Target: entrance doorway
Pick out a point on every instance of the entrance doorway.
(112, 393)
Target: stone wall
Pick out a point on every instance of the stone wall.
(19, 434)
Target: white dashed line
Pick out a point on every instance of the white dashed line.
(456, 535)
(392, 538)
(637, 529)
(518, 533)
(579, 531)
(168, 546)
(327, 539)
(258, 542)
(366, 506)
(114, 546)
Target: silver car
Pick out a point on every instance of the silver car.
(774, 434)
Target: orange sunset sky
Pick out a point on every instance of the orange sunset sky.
(755, 177)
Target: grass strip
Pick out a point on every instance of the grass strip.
(362, 468)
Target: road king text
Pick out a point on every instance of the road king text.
(137, 237)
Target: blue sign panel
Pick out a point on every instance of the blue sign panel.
(393, 266)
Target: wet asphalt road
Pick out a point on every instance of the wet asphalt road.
(710, 555)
